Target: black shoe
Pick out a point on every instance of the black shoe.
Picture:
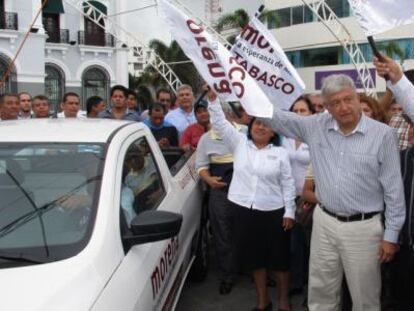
(267, 308)
(225, 287)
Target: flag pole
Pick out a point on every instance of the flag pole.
(376, 52)
(259, 11)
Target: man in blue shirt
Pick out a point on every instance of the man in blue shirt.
(118, 109)
(183, 116)
(165, 134)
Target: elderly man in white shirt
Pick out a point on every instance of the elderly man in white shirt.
(184, 115)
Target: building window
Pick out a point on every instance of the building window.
(396, 49)
(297, 15)
(10, 85)
(51, 24)
(8, 20)
(94, 33)
(95, 81)
(295, 58)
(399, 50)
(273, 20)
(284, 17)
(54, 85)
(340, 7)
(308, 15)
(320, 57)
(303, 14)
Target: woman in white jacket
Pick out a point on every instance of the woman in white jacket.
(264, 190)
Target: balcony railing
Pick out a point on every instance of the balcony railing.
(58, 36)
(97, 39)
(8, 20)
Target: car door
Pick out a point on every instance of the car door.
(141, 278)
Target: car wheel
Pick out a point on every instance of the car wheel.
(199, 269)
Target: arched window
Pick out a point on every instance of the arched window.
(95, 34)
(54, 85)
(95, 81)
(10, 85)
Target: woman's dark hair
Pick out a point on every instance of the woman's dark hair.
(92, 102)
(307, 101)
(275, 140)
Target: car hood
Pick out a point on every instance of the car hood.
(63, 285)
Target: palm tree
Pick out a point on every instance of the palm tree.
(179, 63)
(392, 48)
(240, 18)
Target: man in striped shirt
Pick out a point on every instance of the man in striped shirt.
(357, 170)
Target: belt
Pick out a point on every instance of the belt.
(356, 217)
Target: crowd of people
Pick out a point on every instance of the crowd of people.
(321, 195)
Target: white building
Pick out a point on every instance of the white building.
(137, 60)
(64, 51)
(315, 52)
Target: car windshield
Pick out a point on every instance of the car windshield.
(48, 199)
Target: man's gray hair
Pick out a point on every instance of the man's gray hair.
(336, 83)
(184, 87)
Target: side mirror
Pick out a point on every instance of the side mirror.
(152, 226)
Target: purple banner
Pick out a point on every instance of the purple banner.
(352, 73)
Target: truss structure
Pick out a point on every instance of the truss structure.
(344, 37)
(125, 38)
(142, 52)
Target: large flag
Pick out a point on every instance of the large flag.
(258, 52)
(377, 16)
(215, 63)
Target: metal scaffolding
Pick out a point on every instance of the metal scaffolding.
(344, 37)
(125, 38)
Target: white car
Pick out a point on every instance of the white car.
(93, 216)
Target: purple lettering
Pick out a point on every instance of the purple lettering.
(208, 53)
(194, 28)
(216, 70)
(237, 69)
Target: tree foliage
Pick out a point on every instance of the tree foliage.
(240, 19)
(393, 49)
(178, 62)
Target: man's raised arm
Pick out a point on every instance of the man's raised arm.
(400, 86)
(291, 124)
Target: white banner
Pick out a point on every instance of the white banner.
(258, 52)
(377, 16)
(215, 63)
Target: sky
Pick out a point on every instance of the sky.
(146, 24)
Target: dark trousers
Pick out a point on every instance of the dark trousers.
(403, 279)
(221, 213)
(297, 257)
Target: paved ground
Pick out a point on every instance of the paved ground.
(204, 296)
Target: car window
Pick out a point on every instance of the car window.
(141, 188)
(49, 195)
